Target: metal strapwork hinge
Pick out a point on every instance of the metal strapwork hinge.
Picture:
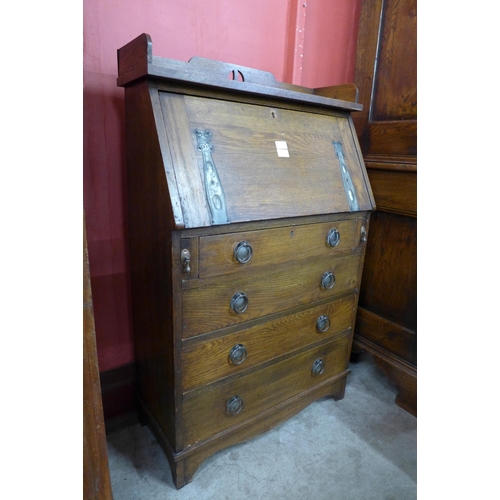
(213, 187)
(349, 189)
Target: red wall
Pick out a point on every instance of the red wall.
(309, 42)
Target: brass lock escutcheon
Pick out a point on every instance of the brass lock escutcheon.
(333, 238)
(328, 280)
(237, 354)
(234, 405)
(323, 324)
(243, 252)
(239, 302)
(318, 367)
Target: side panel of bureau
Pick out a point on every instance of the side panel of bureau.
(149, 221)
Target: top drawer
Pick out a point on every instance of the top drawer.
(246, 251)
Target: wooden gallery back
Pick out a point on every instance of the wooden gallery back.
(249, 207)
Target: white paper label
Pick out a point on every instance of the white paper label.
(282, 149)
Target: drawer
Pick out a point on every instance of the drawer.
(229, 404)
(206, 362)
(250, 250)
(209, 308)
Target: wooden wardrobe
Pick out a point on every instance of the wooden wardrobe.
(386, 75)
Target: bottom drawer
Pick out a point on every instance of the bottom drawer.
(222, 406)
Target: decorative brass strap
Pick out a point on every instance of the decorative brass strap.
(213, 187)
(350, 192)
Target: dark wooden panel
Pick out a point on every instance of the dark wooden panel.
(389, 335)
(395, 96)
(118, 397)
(394, 190)
(386, 75)
(149, 216)
(96, 478)
(389, 284)
(391, 138)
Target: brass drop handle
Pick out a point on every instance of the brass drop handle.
(318, 367)
(323, 324)
(328, 280)
(363, 234)
(243, 252)
(234, 405)
(333, 238)
(239, 302)
(237, 354)
(186, 259)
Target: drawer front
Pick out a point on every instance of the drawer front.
(208, 308)
(248, 251)
(206, 362)
(248, 396)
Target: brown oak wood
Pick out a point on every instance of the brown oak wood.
(185, 463)
(387, 129)
(136, 61)
(395, 191)
(263, 342)
(191, 202)
(347, 92)
(276, 246)
(260, 390)
(96, 478)
(208, 308)
(245, 153)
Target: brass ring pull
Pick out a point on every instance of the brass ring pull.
(323, 324)
(239, 302)
(237, 354)
(318, 367)
(243, 252)
(333, 238)
(234, 405)
(328, 280)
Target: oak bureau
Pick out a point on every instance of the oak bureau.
(249, 208)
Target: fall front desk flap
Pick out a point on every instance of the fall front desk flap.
(283, 153)
(246, 162)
